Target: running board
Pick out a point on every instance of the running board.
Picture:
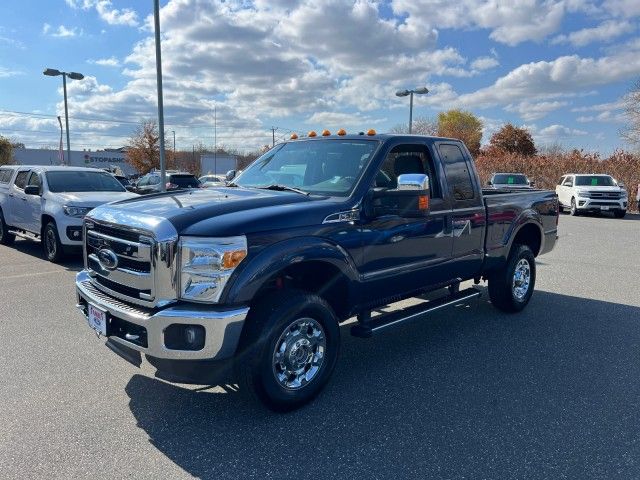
(414, 312)
(26, 236)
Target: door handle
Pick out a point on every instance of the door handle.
(11, 195)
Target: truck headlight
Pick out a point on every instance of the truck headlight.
(583, 194)
(79, 212)
(206, 264)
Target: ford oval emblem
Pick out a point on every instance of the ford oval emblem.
(108, 259)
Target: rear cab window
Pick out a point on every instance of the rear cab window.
(456, 169)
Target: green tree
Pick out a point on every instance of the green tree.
(6, 151)
(462, 125)
(512, 139)
(631, 102)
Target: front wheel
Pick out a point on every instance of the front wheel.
(51, 243)
(574, 208)
(288, 349)
(511, 287)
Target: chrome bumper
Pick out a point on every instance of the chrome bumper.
(222, 326)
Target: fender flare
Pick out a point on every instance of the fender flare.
(248, 279)
(527, 217)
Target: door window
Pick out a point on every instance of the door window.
(5, 175)
(404, 159)
(457, 172)
(35, 180)
(21, 179)
(568, 182)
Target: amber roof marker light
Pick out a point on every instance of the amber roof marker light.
(294, 136)
(342, 132)
(326, 133)
(312, 134)
(371, 132)
(404, 93)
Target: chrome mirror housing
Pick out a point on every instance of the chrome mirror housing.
(414, 181)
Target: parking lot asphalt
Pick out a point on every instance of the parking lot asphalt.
(552, 392)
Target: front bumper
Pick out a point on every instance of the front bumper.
(222, 326)
(67, 226)
(598, 204)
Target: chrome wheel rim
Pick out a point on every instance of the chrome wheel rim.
(50, 242)
(299, 353)
(521, 279)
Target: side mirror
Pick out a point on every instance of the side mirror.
(129, 188)
(621, 185)
(410, 199)
(532, 183)
(489, 182)
(32, 190)
(230, 175)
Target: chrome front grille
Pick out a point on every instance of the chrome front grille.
(606, 195)
(132, 276)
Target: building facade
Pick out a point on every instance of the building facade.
(94, 159)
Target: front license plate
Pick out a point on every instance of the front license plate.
(605, 208)
(97, 320)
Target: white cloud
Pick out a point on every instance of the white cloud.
(336, 120)
(107, 12)
(604, 32)
(560, 131)
(484, 63)
(6, 73)
(106, 62)
(61, 31)
(530, 111)
(602, 112)
(626, 8)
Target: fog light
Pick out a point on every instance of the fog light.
(190, 335)
(184, 337)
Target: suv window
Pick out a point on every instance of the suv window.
(407, 159)
(457, 172)
(5, 175)
(568, 181)
(21, 179)
(35, 180)
(184, 181)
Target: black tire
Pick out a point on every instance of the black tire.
(6, 237)
(574, 209)
(504, 291)
(269, 324)
(619, 213)
(51, 246)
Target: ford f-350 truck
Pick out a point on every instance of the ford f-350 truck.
(259, 274)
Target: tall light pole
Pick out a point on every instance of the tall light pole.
(60, 150)
(404, 93)
(156, 25)
(174, 142)
(52, 72)
(215, 139)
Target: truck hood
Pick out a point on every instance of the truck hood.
(91, 199)
(589, 188)
(222, 211)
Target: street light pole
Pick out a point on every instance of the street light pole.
(156, 23)
(52, 72)
(409, 93)
(174, 143)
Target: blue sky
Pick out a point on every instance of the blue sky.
(557, 67)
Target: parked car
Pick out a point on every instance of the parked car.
(49, 203)
(123, 180)
(260, 274)
(513, 181)
(151, 182)
(212, 181)
(592, 193)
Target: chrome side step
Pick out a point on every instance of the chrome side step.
(378, 324)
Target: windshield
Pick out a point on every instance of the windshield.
(82, 181)
(510, 179)
(329, 167)
(594, 181)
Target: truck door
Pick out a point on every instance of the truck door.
(15, 216)
(405, 254)
(468, 214)
(33, 205)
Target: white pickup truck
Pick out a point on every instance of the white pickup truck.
(592, 193)
(49, 203)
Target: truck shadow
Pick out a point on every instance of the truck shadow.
(552, 392)
(71, 262)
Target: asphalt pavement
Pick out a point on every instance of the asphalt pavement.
(552, 392)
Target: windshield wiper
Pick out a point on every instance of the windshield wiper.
(282, 188)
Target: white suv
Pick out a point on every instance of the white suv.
(50, 203)
(592, 193)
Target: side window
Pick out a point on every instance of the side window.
(407, 159)
(5, 175)
(155, 180)
(34, 180)
(21, 179)
(457, 172)
(144, 181)
(561, 181)
(569, 181)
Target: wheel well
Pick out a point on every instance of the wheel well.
(529, 235)
(321, 278)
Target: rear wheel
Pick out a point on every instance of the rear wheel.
(51, 243)
(511, 287)
(288, 350)
(6, 237)
(619, 213)
(574, 208)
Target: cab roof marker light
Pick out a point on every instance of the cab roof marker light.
(342, 132)
(371, 132)
(326, 133)
(312, 133)
(294, 136)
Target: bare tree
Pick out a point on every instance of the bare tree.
(631, 133)
(420, 126)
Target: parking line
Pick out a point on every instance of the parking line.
(22, 275)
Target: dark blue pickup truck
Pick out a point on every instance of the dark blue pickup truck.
(259, 274)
